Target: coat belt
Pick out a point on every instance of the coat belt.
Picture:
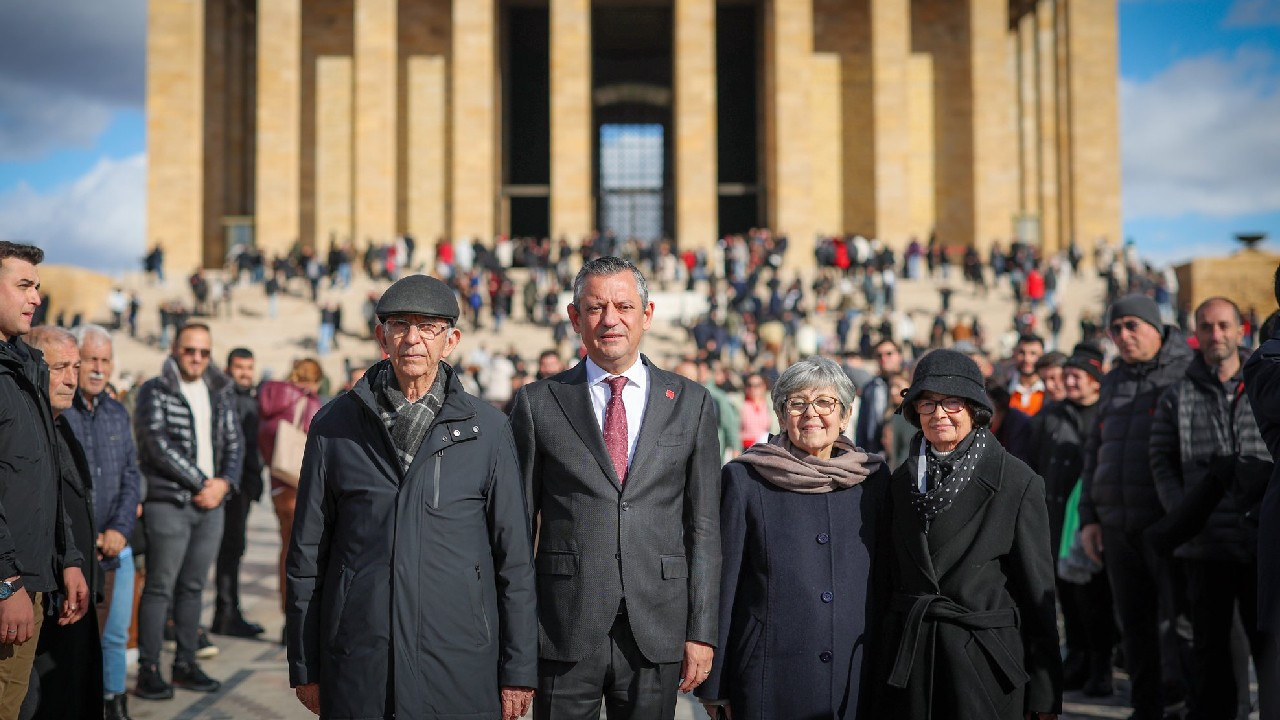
(980, 624)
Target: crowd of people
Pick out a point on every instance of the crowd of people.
(880, 523)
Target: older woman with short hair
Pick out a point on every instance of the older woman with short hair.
(973, 630)
(798, 515)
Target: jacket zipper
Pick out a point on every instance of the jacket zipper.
(435, 492)
(484, 614)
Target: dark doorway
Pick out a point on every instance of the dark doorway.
(738, 116)
(631, 88)
(526, 170)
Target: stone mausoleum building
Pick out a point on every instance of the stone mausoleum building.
(305, 120)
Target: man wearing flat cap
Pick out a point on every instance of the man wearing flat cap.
(1118, 500)
(410, 584)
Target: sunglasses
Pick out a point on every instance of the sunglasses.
(199, 352)
(1130, 325)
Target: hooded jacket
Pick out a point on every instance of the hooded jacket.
(163, 427)
(411, 593)
(1118, 489)
(35, 534)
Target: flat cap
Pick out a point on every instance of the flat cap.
(418, 295)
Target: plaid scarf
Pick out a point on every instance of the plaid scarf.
(407, 422)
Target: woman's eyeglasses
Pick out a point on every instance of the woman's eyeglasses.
(821, 405)
(949, 405)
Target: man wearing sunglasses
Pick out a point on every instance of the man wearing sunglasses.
(1119, 501)
(190, 453)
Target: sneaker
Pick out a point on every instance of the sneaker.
(205, 648)
(150, 685)
(191, 677)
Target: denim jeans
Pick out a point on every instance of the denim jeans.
(182, 543)
(115, 634)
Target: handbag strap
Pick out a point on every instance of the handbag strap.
(298, 408)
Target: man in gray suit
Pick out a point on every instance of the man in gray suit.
(621, 463)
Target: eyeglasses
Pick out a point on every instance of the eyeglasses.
(199, 352)
(821, 405)
(428, 330)
(949, 405)
(1130, 325)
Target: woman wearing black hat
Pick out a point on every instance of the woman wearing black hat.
(972, 625)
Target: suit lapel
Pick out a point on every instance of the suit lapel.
(954, 531)
(907, 527)
(658, 410)
(574, 398)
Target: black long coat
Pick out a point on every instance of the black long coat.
(797, 603)
(977, 593)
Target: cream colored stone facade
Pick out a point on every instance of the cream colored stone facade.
(365, 119)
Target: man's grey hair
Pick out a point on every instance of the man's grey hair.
(811, 373)
(89, 333)
(48, 336)
(609, 265)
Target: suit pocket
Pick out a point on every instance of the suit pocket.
(557, 562)
(675, 567)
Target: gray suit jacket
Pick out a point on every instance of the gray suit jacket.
(655, 540)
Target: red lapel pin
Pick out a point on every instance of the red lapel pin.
(671, 395)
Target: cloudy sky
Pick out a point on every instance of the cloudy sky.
(1199, 97)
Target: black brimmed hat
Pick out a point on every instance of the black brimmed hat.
(949, 373)
(418, 295)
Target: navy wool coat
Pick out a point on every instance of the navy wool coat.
(795, 598)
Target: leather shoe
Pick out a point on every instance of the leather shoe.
(117, 708)
(150, 685)
(191, 677)
(236, 626)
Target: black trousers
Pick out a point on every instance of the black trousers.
(1088, 616)
(1216, 586)
(617, 672)
(1145, 596)
(230, 553)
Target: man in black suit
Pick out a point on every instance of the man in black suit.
(621, 462)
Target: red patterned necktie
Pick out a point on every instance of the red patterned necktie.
(615, 427)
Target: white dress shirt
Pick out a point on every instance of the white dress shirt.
(635, 394)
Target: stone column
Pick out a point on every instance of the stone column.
(473, 111)
(920, 128)
(1028, 127)
(571, 118)
(697, 198)
(890, 29)
(788, 56)
(374, 216)
(277, 192)
(1047, 121)
(995, 134)
(826, 125)
(427, 138)
(333, 161)
(1093, 46)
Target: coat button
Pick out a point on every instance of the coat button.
(626, 506)
(823, 538)
(828, 596)
(824, 656)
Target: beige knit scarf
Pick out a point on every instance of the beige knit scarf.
(783, 464)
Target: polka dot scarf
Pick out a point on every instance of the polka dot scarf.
(945, 475)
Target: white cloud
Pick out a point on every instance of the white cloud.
(1253, 13)
(1200, 137)
(95, 221)
(65, 67)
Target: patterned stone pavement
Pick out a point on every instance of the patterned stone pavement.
(256, 681)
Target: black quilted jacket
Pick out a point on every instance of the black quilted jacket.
(166, 444)
(1199, 417)
(1118, 490)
